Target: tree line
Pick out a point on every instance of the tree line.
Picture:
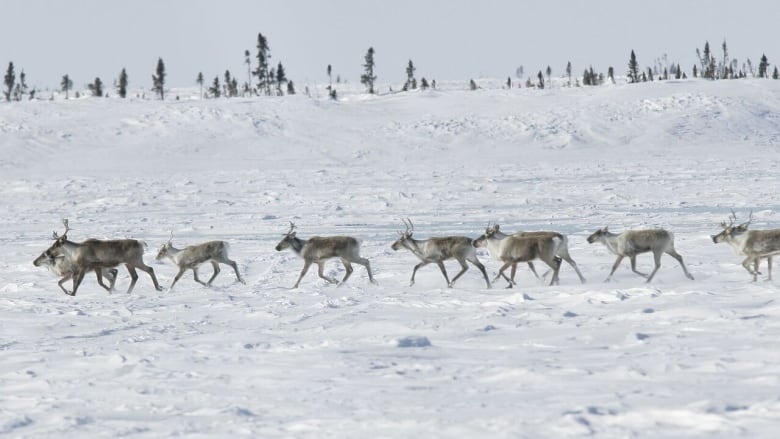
(270, 80)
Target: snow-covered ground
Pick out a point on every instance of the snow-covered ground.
(674, 358)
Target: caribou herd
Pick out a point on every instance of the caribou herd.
(73, 260)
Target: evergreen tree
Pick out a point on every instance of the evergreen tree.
(10, 80)
(509, 82)
(541, 79)
(650, 74)
(158, 80)
(330, 76)
(66, 85)
(568, 71)
(633, 69)
(724, 70)
(424, 83)
(410, 81)
(214, 90)
(695, 72)
(290, 88)
(281, 78)
(775, 74)
(21, 88)
(96, 88)
(472, 84)
(368, 78)
(228, 81)
(199, 81)
(549, 76)
(763, 67)
(611, 74)
(262, 72)
(248, 62)
(122, 84)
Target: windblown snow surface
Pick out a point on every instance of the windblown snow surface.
(673, 358)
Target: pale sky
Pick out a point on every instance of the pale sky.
(446, 39)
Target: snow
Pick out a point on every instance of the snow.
(673, 358)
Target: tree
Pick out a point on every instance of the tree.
(248, 62)
(122, 84)
(330, 77)
(214, 90)
(519, 72)
(410, 81)
(10, 80)
(263, 56)
(368, 78)
(21, 87)
(472, 84)
(66, 85)
(424, 83)
(763, 67)
(541, 79)
(568, 71)
(290, 88)
(199, 81)
(96, 88)
(725, 67)
(281, 78)
(633, 69)
(775, 74)
(611, 74)
(158, 80)
(549, 76)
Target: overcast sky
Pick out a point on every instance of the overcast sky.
(446, 39)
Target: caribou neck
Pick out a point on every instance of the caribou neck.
(297, 244)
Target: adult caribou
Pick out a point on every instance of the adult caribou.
(634, 242)
(96, 254)
(438, 250)
(318, 249)
(754, 244)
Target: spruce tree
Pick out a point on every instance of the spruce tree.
(199, 81)
(96, 88)
(10, 80)
(633, 69)
(611, 74)
(66, 85)
(122, 84)
(549, 76)
(21, 88)
(540, 76)
(248, 62)
(290, 88)
(158, 80)
(281, 78)
(568, 71)
(263, 57)
(228, 81)
(775, 74)
(763, 67)
(410, 81)
(368, 78)
(214, 90)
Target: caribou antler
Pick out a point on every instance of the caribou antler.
(292, 227)
(67, 229)
(732, 220)
(170, 240)
(750, 220)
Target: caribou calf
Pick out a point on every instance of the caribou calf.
(192, 256)
(754, 244)
(511, 249)
(319, 249)
(95, 254)
(64, 267)
(633, 242)
(438, 250)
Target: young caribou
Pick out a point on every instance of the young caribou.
(563, 250)
(64, 267)
(319, 249)
(192, 256)
(438, 250)
(633, 242)
(511, 249)
(95, 254)
(754, 244)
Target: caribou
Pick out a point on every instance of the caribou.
(754, 244)
(95, 254)
(512, 249)
(64, 267)
(563, 250)
(633, 242)
(319, 249)
(438, 250)
(190, 257)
